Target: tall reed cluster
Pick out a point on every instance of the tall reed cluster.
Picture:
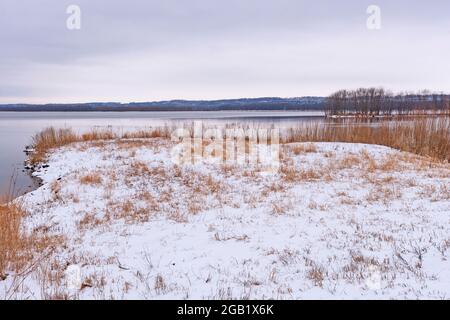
(13, 243)
(425, 137)
(51, 137)
(22, 250)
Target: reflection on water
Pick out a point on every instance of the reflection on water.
(17, 129)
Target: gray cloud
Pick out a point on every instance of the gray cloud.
(162, 49)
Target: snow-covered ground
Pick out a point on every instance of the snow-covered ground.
(339, 221)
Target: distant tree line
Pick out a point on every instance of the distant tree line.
(303, 104)
(380, 102)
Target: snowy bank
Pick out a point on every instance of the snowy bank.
(338, 221)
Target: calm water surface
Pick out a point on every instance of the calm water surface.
(17, 129)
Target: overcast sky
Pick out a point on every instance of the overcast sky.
(138, 50)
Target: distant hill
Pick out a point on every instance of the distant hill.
(302, 103)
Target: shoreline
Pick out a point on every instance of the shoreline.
(31, 170)
(21, 126)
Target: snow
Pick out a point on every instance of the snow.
(352, 232)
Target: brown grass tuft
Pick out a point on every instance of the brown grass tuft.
(317, 275)
(50, 138)
(160, 285)
(92, 179)
(12, 241)
(291, 174)
(304, 148)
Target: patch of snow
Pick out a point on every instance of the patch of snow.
(315, 238)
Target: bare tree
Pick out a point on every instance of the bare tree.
(371, 102)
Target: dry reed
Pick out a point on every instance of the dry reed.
(12, 241)
(425, 137)
(51, 138)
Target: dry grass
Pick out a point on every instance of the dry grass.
(51, 138)
(160, 285)
(89, 221)
(12, 240)
(91, 179)
(348, 161)
(425, 137)
(154, 194)
(146, 134)
(194, 207)
(128, 210)
(48, 139)
(272, 188)
(22, 252)
(96, 134)
(304, 148)
(316, 274)
(292, 174)
(280, 207)
(384, 193)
